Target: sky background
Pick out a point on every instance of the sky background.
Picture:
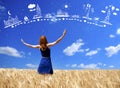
(92, 41)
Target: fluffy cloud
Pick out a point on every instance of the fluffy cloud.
(111, 50)
(83, 66)
(89, 66)
(87, 49)
(111, 66)
(67, 65)
(92, 52)
(31, 65)
(10, 51)
(118, 31)
(100, 64)
(75, 47)
(111, 36)
(74, 65)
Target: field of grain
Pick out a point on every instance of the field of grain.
(21, 78)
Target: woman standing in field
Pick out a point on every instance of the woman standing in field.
(45, 66)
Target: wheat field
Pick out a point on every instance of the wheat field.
(24, 78)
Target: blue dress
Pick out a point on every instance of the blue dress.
(45, 66)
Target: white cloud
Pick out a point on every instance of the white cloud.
(99, 63)
(31, 65)
(111, 36)
(92, 52)
(75, 47)
(10, 51)
(104, 65)
(31, 6)
(89, 66)
(118, 31)
(103, 11)
(111, 50)
(111, 66)
(74, 65)
(117, 9)
(67, 65)
(87, 49)
(115, 13)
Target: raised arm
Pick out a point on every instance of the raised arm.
(29, 45)
(58, 40)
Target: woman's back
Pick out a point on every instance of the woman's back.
(45, 53)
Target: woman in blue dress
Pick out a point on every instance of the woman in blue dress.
(45, 66)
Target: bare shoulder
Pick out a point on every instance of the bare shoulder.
(38, 46)
(50, 44)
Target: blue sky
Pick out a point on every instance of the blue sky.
(92, 40)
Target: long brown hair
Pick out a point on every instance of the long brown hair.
(43, 42)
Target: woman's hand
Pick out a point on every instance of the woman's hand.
(29, 45)
(22, 41)
(64, 32)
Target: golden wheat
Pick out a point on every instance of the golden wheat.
(21, 78)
